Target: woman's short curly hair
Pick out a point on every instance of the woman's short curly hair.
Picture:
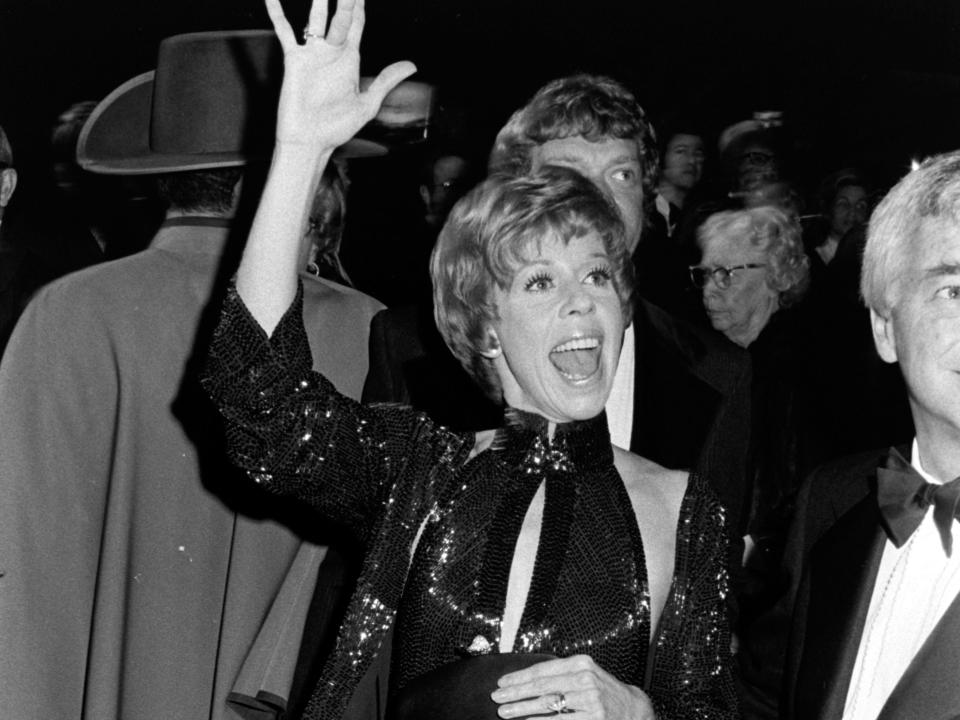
(594, 107)
(495, 229)
(771, 230)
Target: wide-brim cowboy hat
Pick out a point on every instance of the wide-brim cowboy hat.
(211, 103)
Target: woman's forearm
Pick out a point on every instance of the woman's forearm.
(320, 108)
(267, 277)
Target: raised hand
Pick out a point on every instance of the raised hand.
(321, 108)
(321, 105)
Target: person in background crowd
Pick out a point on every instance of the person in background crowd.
(129, 586)
(15, 286)
(845, 205)
(753, 274)
(325, 226)
(447, 175)
(666, 248)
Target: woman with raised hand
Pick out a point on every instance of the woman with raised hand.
(526, 570)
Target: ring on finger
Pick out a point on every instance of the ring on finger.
(309, 34)
(558, 703)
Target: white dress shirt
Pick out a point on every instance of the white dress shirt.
(620, 403)
(915, 585)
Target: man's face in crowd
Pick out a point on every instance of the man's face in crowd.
(612, 164)
(446, 187)
(756, 167)
(683, 161)
(849, 209)
(922, 331)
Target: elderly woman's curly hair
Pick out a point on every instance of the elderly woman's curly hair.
(771, 230)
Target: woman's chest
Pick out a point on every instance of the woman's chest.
(549, 565)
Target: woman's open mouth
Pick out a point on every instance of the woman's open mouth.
(577, 359)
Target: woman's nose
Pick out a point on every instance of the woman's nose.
(578, 299)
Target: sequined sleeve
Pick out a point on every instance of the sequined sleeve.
(692, 672)
(294, 434)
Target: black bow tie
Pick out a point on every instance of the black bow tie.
(904, 497)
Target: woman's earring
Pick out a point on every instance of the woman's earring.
(493, 348)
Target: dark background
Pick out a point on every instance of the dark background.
(866, 82)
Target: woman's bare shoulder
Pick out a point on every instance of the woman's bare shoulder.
(645, 478)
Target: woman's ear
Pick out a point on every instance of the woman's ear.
(492, 347)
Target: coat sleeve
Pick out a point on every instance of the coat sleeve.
(294, 434)
(57, 373)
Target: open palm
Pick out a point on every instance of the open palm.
(321, 105)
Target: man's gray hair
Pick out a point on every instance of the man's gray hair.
(931, 191)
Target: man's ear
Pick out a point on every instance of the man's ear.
(425, 196)
(884, 336)
(492, 349)
(8, 183)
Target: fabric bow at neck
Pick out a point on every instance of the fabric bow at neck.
(904, 497)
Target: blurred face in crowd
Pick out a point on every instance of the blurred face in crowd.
(922, 331)
(756, 167)
(743, 308)
(849, 209)
(559, 328)
(446, 186)
(683, 161)
(611, 164)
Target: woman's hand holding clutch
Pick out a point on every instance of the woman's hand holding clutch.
(574, 685)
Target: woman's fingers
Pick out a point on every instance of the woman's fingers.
(317, 18)
(570, 703)
(387, 80)
(356, 27)
(342, 20)
(280, 24)
(547, 668)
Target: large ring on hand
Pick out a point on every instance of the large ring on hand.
(310, 34)
(558, 704)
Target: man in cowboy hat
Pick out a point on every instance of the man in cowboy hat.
(129, 588)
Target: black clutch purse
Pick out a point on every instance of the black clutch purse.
(459, 690)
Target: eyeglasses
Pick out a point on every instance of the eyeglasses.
(722, 276)
(755, 158)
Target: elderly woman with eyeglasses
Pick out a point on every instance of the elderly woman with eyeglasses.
(752, 275)
(752, 265)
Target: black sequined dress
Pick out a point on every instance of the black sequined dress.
(440, 526)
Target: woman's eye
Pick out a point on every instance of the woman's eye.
(538, 282)
(599, 276)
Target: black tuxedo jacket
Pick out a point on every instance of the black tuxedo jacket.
(835, 549)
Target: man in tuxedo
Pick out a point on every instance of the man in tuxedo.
(681, 397)
(874, 548)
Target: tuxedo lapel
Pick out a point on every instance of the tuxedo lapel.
(930, 687)
(842, 570)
